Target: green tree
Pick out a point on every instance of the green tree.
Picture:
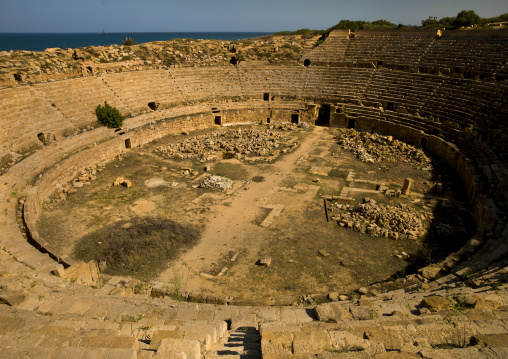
(109, 116)
(446, 22)
(430, 23)
(466, 18)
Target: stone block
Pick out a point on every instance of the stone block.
(265, 262)
(12, 296)
(159, 335)
(118, 342)
(330, 312)
(10, 324)
(395, 355)
(96, 353)
(191, 348)
(406, 187)
(436, 303)
(168, 355)
(486, 304)
(430, 272)
(204, 330)
(391, 339)
(276, 342)
(55, 330)
(362, 312)
(346, 339)
(84, 273)
(490, 340)
(311, 342)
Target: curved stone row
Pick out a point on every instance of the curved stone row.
(470, 54)
(66, 108)
(462, 121)
(371, 117)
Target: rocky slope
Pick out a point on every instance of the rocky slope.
(56, 63)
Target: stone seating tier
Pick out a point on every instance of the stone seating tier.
(54, 318)
(480, 54)
(67, 106)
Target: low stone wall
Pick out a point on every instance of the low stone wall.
(60, 174)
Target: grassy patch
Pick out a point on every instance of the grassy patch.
(139, 248)
(233, 171)
(258, 179)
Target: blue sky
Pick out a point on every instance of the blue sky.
(221, 15)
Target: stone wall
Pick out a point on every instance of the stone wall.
(416, 108)
(60, 175)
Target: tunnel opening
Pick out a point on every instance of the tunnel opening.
(323, 116)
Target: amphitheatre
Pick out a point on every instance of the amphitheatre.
(345, 200)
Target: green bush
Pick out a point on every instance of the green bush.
(129, 41)
(466, 18)
(109, 116)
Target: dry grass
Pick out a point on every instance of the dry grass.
(139, 248)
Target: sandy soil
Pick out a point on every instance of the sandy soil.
(275, 210)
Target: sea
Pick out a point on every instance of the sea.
(41, 41)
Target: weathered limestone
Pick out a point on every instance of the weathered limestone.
(428, 110)
(406, 187)
(330, 312)
(83, 273)
(189, 347)
(437, 303)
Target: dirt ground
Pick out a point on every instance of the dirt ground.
(275, 210)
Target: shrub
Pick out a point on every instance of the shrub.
(109, 116)
(129, 41)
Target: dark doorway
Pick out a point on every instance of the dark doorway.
(424, 143)
(351, 123)
(233, 60)
(389, 106)
(128, 143)
(295, 118)
(380, 64)
(42, 138)
(218, 120)
(154, 106)
(268, 120)
(323, 116)
(306, 62)
(266, 96)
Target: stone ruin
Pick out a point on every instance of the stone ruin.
(218, 183)
(241, 144)
(374, 148)
(403, 84)
(379, 220)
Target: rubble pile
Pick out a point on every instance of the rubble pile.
(237, 143)
(84, 177)
(379, 220)
(217, 183)
(372, 148)
(287, 126)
